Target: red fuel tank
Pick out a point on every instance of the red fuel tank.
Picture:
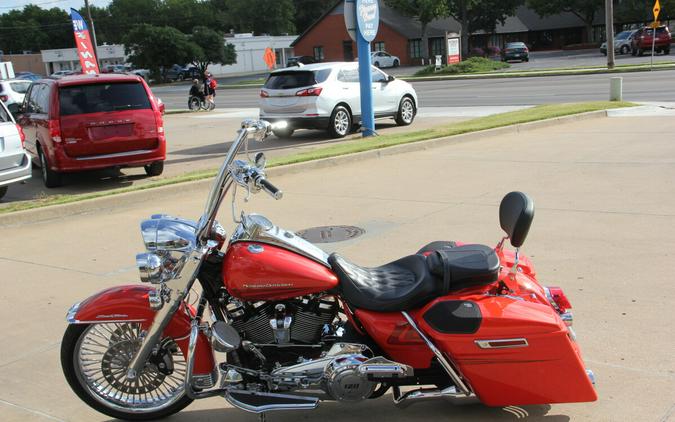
(257, 271)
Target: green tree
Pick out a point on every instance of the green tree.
(477, 15)
(308, 11)
(212, 48)
(158, 48)
(424, 11)
(632, 11)
(272, 17)
(586, 10)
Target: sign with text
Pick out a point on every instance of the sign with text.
(454, 55)
(85, 50)
(368, 18)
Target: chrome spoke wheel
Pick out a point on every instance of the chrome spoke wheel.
(101, 360)
(341, 122)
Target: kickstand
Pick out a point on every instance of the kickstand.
(262, 417)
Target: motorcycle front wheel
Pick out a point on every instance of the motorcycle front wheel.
(95, 359)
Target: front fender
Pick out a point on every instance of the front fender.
(130, 304)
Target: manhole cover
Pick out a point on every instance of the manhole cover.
(329, 234)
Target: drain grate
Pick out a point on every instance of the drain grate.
(329, 234)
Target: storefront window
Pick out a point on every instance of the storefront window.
(436, 47)
(378, 46)
(318, 53)
(415, 49)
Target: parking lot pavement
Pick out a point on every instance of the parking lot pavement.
(604, 231)
(199, 141)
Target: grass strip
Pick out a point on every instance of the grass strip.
(353, 146)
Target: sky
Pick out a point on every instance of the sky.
(7, 5)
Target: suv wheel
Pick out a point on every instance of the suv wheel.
(624, 49)
(51, 179)
(154, 169)
(3, 191)
(340, 122)
(406, 112)
(396, 63)
(376, 64)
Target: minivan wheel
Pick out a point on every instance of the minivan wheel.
(51, 178)
(406, 112)
(624, 49)
(666, 51)
(3, 191)
(154, 169)
(340, 122)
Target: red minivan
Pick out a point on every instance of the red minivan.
(86, 122)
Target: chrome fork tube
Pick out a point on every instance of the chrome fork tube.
(178, 288)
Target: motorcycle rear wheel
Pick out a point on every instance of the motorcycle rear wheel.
(94, 358)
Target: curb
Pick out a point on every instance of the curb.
(508, 75)
(126, 199)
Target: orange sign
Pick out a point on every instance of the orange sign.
(270, 58)
(657, 9)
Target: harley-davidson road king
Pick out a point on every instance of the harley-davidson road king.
(280, 324)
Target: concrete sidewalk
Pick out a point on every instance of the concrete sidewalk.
(604, 231)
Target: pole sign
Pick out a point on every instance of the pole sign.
(656, 10)
(350, 18)
(368, 18)
(85, 51)
(453, 50)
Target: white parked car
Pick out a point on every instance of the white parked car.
(15, 164)
(327, 96)
(12, 92)
(384, 59)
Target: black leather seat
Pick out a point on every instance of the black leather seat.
(400, 285)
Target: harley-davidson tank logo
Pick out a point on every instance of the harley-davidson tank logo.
(268, 285)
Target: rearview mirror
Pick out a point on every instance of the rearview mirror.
(260, 160)
(516, 213)
(162, 107)
(390, 78)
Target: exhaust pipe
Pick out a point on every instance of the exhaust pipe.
(426, 394)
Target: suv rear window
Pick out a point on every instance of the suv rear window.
(20, 87)
(94, 98)
(295, 79)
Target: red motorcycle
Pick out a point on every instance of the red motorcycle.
(280, 324)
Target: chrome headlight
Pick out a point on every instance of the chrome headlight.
(150, 267)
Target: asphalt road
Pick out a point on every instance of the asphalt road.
(637, 86)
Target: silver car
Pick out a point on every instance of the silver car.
(14, 162)
(327, 96)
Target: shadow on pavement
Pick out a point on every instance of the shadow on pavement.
(381, 410)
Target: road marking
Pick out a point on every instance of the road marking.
(33, 411)
(670, 412)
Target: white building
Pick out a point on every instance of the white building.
(250, 50)
(66, 58)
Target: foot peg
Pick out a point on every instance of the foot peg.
(266, 402)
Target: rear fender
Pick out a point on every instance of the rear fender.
(130, 304)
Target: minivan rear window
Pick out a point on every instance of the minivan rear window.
(95, 98)
(295, 79)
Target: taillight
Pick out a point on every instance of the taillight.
(264, 94)
(309, 92)
(55, 130)
(560, 303)
(4, 98)
(22, 136)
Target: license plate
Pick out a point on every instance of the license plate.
(112, 131)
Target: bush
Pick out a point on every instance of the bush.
(472, 65)
(493, 50)
(477, 52)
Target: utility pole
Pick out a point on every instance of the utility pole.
(93, 31)
(609, 30)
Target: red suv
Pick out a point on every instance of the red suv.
(642, 40)
(86, 122)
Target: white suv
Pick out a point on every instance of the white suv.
(15, 164)
(327, 96)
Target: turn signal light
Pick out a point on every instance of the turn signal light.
(264, 94)
(309, 92)
(558, 299)
(22, 136)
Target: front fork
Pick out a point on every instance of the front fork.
(176, 290)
